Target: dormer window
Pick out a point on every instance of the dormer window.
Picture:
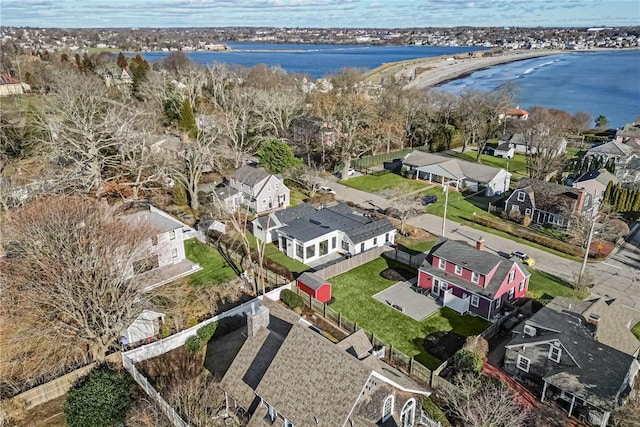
(555, 353)
(458, 270)
(521, 196)
(442, 264)
(475, 277)
(272, 413)
(387, 408)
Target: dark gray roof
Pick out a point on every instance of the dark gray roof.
(285, 216)
(550, 197)
(593, 379)
(307, 223)
(603, 176)
(311, 280)
(469, 257)
(250, 175)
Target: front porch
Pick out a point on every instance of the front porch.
(575, 406)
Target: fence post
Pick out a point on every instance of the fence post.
(340, 320)
(355, 326)
(324, 310)
(411, 366)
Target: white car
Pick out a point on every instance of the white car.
(327, 190)
(350, 173)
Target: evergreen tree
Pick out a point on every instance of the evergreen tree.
(607, 193)
(277, 157)
(122, 60)
(611, 166)
(64, 58)
(602, 123)
(636, 202)
(87, 64)
(621, 200)
(187, 121)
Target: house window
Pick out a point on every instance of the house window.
(386, 237)
(512, 275)
(264, 203)
(375, 241)
(442, 264)
(172, 235)
(287, 423)
(458, 270)
(387, 408)
(554, 353)
(523, 363)
(269, 188)
(324, 247)
(272, 413)
(498, 302)
(299, 251)
(512, 292)
(334, 240)
(522, 284)
(174, 253)
(362, 247)
(475, 300)
(154, 240)
(345, 245)
(521, 196)
(311, 251)
(475, 277)
(527, 211)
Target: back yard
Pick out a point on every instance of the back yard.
(389, 183)
(353, 292)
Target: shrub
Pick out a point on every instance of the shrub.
(526, 220)
(193, 344)
(291, 299)
(478, 345)
(100, 399)
(434, 412)
(467, 361)
(206, 332)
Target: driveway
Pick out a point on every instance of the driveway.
(617, 277)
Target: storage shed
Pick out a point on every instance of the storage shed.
(314, 285)
(147, 325)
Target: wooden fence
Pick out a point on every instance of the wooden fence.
(353, 262)
(394, 357)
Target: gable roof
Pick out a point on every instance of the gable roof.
(601, 176)
(612, 148)
(304, 222)
(597, 382)
(548, 196)
(467, 256)
(451, 167)
(6, 79)
(310, 280)
(158, 222)
(250, 175)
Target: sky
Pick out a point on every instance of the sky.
(319, 13)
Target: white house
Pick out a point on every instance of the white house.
(307, 234)
(165, 259)
(520, 145)
(458, 173)
(260, 191)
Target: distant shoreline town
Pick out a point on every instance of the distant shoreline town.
(219, 39)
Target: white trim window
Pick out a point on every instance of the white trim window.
(272, 413)
(522, 285)
(521, 196)
(442, 264)
(554, 353)
(475, 300)
(523, 363)
(527, 212)
(512, 292)
(458, 270)
(287, 423)
(512, 275)
(387, 408)
(172, 235)
(475, 277)
(174, 252)
(499, 302)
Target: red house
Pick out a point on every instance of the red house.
(469, 279)
(315, 286)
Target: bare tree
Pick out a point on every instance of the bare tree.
(312, 179)
(405, 205)
(543, 134)
(67, 283)
(276, 110)
(238, 122)
(197, 399)
(477, 402)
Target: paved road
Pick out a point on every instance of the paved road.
(617, 277)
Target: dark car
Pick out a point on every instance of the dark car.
(429, 199)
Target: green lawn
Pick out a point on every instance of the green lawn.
(414, 247)
(353, 292)
(636, 330)
(390, 181)
(214, 268)
(458, 208)
(545, 286)
(517, 166)
(297, 197)
(275, 255)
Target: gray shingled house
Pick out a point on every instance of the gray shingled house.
(259, 190)
(307, 233)
(285, 374)
(558, 352)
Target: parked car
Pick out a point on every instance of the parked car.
(327, 190)
(429, 199)
(350, 173)
(524, 258)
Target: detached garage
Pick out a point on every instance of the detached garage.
(314, 285)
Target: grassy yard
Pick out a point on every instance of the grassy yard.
(277, 256)
(636, 330)
(390, 181)
(517, 166)
(415, 246)
(353, 292)
(545, 286)
(297, 197)
(459, 208)
(214, 268)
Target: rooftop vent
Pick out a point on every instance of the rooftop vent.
(529, 330)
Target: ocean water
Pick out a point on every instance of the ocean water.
(606, 83)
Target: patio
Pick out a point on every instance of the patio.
(326, 260)
(403, 298)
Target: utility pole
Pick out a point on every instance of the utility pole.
(586, 252)
(445, 188)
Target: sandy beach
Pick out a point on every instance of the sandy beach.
(429, 72)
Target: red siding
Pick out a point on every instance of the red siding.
(505, 286)
(425, 280)
(323, 294)
(466, 273)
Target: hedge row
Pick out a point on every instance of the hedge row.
(523, 233)
(292, 299)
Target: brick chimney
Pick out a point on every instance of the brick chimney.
(580, 202)
(256, 319)
(480, 244)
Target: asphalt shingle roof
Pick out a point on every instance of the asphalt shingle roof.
(312, 281)
(250, 175)
(454, 168)
(602, 176)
